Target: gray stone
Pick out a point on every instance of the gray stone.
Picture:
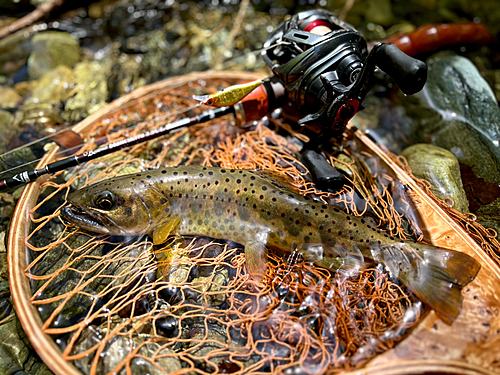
(51, 49)
(441, 169)
(458, 111)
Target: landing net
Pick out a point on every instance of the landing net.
(125, 306)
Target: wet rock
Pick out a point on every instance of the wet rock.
(13, 351)
(458, 111)
(7, 206)
(54, 86)
(4, 272)
(5, 308)
(15, 48)
(90, 92)
(441, 169)
(167, 364)
(7, 126)
(9, 98)
(488, 215)
(212, 288)
(51, 49)
(167, 326)
(39, 368)
(119, 347)
(214, 337)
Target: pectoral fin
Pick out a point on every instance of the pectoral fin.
(256, 255)
(163, 230)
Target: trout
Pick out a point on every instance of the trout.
(259, 209)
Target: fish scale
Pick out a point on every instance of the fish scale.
(260, 210)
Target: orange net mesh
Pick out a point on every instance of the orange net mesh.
(126, 306)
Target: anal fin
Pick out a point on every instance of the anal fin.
(256, 256)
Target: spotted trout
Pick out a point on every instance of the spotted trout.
(259, 210)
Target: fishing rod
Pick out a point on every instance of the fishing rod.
(29, 176)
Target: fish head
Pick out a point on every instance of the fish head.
(123, 206)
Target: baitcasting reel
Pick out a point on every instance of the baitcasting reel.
(326, 71)
(322, 72)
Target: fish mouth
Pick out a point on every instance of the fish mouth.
(93, 222)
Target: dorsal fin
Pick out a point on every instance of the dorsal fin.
(280, 180)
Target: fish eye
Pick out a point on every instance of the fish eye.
(105, 200)
(210, 101)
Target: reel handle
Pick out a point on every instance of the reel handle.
(408, 73)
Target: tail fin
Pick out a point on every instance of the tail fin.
(435, 275)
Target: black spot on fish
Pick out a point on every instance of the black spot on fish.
(175, 173)
(163, 201)
(128, 211)
(210, 173)
(163, 171)
(200, 222)
(201, 175)
(148, 177)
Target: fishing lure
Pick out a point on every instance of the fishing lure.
(229, 96)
